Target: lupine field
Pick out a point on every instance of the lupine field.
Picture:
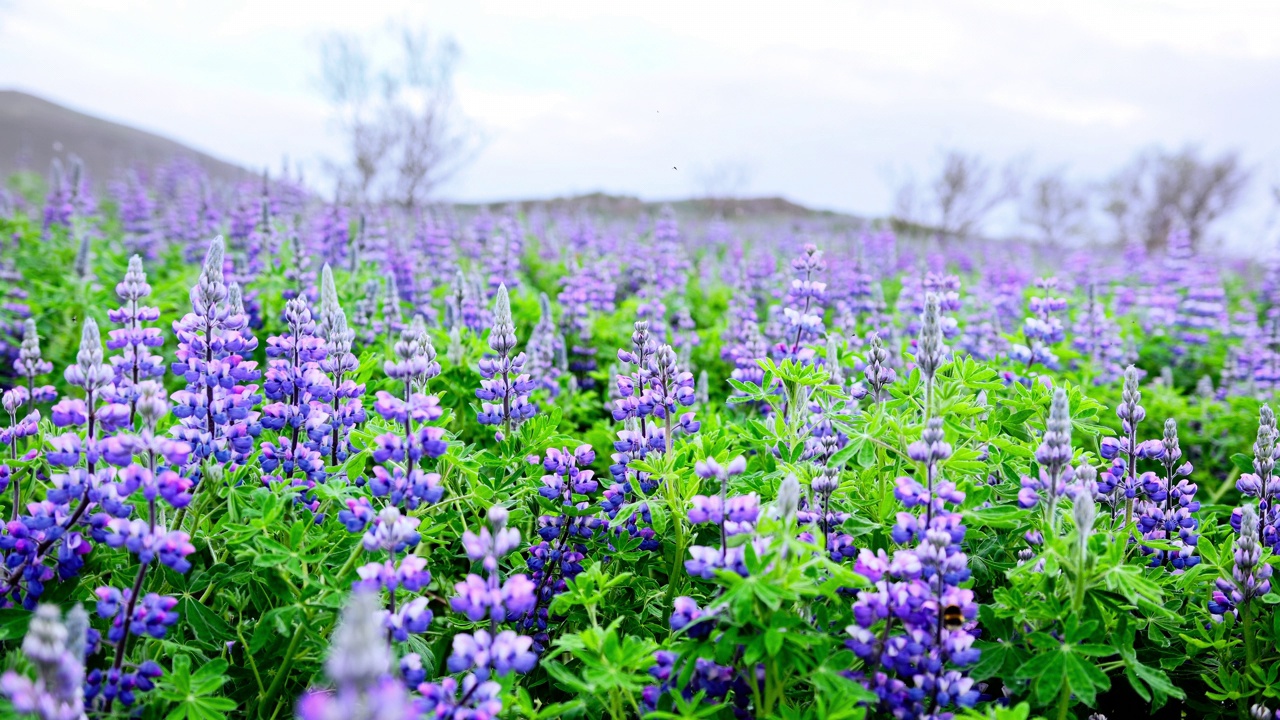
(264, 456)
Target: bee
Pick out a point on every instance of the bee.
(952, 617)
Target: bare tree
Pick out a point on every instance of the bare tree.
(1054, 208)
(959, 199)
(404, 132)
(722, 183)
(1159, 191)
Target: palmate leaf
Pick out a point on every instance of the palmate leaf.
(194, 695)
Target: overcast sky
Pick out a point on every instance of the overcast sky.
(823, 102)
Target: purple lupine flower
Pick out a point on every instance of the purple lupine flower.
(12, 401)
(504, 391)
(489, 596)
(931, 353)
(135, 361)
(465, 310)
(359, 664)
(715, 683)
(877, 372)
(1043, 329)
(69, 194)
(1053, 457)
(1131, 413)
(586, 289)
(913, 588)
(1263, 483)
(216, 409)
(56, 648)
(504, 251)
(415, 362)
(818, 510)
(633, 403)
(564, 535)
(546, 350)
(1166, 508)
(1250, 576)
(803, 306)
(32, 539)
(137, 215)
(482, 654)
(30, 365)
(1098, 337)
(338, 363)
(472, 698)
(298, 393)
(151, 614)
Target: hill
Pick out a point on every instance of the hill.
(776, 208)
(33, 131)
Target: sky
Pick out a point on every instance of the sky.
(826, 103)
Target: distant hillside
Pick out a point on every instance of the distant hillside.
(627, 206)
(33, 131)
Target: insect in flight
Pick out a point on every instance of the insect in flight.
(952, 617)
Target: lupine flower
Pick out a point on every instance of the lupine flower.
(52, 525)
(415, 362)
(545, 349)
(930, 352)
(359, 665)
(56, 648)
(716, 683)
(215, 410)
(1098, 337)
(1166, 509)
(803, 306)
(1054, 460)
(1043, 329)
(135, 361)
(298, 392)
(30, 365)
(1262, 483)
(734, 515)
(338, 363)
(1125, 482)
(877, 371)
(1250, 576)
(149, 614)
(504, 391)
(565, 531)
(585, 290)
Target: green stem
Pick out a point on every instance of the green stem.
(253, 665)
(1064, 701)
(351, 562)
(1250, 644)
(277, 683)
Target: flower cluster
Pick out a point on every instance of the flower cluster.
(135, 361)
(914, 660)
(146, 461)
(1054, 460)
(394, 533)
(360, 666)
(802, 314)
(1043, 329)
(1263, 483)
(504, 391)
(56, 647)
(732, 515)
(298, 392)
(1250, 576)
(216, 409)
(565, 529)
(1167, 505)
(340, 364)
(30, 365)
